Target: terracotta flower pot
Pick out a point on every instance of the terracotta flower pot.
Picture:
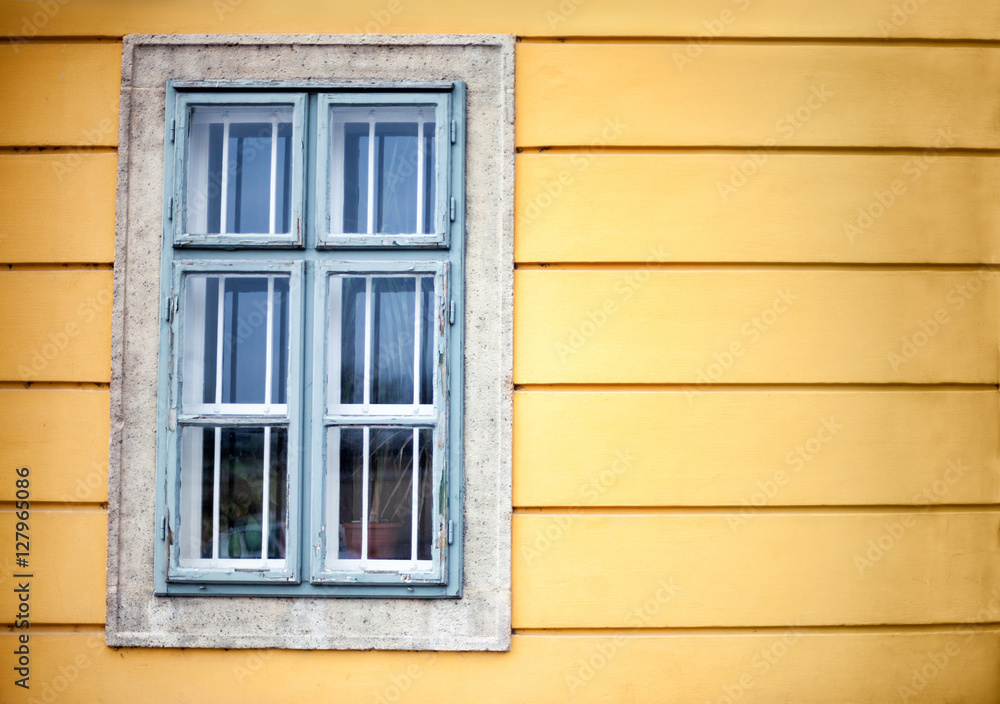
(382, 539)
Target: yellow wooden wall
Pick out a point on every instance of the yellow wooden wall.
(756, 353)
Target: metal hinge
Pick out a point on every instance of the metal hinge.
(453, 208)
(171, 304)
(163, 528)
(451, 313)
(170, 209)
(454, 131)
(451, 532)
(173, 130)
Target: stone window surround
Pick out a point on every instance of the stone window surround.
(480, 619)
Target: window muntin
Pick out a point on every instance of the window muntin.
(377, 421)
(386, 164)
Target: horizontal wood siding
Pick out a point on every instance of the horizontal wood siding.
(57, 207)
(757, 207)
(768, 666)
(787, 95)
(59, 94)
(61, 436)
(755, 449)
(754, 568)
(702, 20)
(773, 325)
(67, 563)
(55, 326)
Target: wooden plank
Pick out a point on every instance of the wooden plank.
(61, 436)
(751, 449)
(67, 563)
(778, 95)
(700, 19)
(731, 325)
(59, 94)
(57, 207)
(757, 668)
(762, 207)
(55, 325)
(765, 569)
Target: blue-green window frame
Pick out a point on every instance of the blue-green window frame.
(176, 207)
(443, 131)
(309, 256)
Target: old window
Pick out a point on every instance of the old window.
(312, 372)
(311, 385)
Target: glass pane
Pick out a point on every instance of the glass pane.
(392, 339)
(397, 163)
(390, 486)
(425, 498)
(356, 177)
(236, 456)
(351, 467)
(236, 157)
(388, 150)
(248, 196)
(428, 178)
(390, 496)
(244, 340)
(241, 374)
(277, 512)
(241, 489)
(279, 341)
(283, 195)
(352, 337)
(427, 329)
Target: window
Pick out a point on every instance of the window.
(312, 343)
(313, 367)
